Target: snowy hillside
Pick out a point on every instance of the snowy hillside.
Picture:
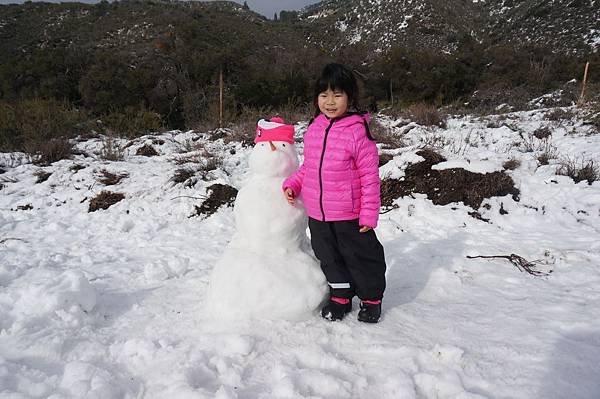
(565, 26)
(110, 304)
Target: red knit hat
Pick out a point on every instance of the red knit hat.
(274, 129)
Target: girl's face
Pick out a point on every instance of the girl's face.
(333, 103)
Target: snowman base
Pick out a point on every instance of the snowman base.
(288, 287)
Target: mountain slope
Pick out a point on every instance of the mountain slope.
(565, 26)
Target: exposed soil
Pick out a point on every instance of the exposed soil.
(104, 200)
(446, 186)
(219, 195)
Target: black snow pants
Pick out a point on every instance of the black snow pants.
(353, 262)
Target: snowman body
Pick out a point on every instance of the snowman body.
(267, 271)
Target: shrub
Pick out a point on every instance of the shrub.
(181, 175)
(132, 121)
(559, 114)
(579, 171)
(27, 124)
(385, 135)
(542, 133)
(511, 164)
(50, 151)
(111, 150)
(426, 115)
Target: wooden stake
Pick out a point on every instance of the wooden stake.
(391, 94)
(585, 73)
(221, 98)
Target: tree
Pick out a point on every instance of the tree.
(275, 17)
(288, 16)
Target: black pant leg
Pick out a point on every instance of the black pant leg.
(325, 246)
(364, 257)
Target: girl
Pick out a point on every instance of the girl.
(339, 182)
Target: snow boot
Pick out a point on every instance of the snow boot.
(336, 308)
(370, 311)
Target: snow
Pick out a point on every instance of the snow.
(471, 166)
(113, 303)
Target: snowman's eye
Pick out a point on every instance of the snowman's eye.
(283, 145)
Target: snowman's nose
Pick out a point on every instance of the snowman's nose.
(273, 148)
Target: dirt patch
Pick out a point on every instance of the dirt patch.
(446, 186)
(219, 195)
(104, 200)
(147, 151)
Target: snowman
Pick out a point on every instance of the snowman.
(267, 271)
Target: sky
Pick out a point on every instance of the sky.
(266, 7)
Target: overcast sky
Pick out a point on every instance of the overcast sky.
(265, 7)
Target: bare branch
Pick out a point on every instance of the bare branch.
(520, 263)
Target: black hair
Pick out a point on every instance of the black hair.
(337, 77)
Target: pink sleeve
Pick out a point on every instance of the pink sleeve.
(295, 181)
(367, 163)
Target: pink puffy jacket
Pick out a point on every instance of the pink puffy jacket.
(339, 179)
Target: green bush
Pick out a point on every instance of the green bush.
(27, 124)
(112, 83)
(132, 121)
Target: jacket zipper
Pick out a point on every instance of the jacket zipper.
(321, 168)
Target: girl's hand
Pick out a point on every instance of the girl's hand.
(364, 229)
(289, 195)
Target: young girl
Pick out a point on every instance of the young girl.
(339, 182)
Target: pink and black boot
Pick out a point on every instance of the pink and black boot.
(370, 311)
(336, 308)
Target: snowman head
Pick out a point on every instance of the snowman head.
(274, 154)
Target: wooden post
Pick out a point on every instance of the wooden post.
(585, 73)
(391, 94)
(221, 98)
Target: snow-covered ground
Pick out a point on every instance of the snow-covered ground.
(110, 304)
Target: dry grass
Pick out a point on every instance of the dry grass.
(384, 135)
(185, 159)
(579, 170)
(147, 151)
(426, 115)
(104, 200)
(511, 164)
(542, 133)
(182, 175)
(50, 151)
(559, 115)
(111, 150)
(110, 179)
